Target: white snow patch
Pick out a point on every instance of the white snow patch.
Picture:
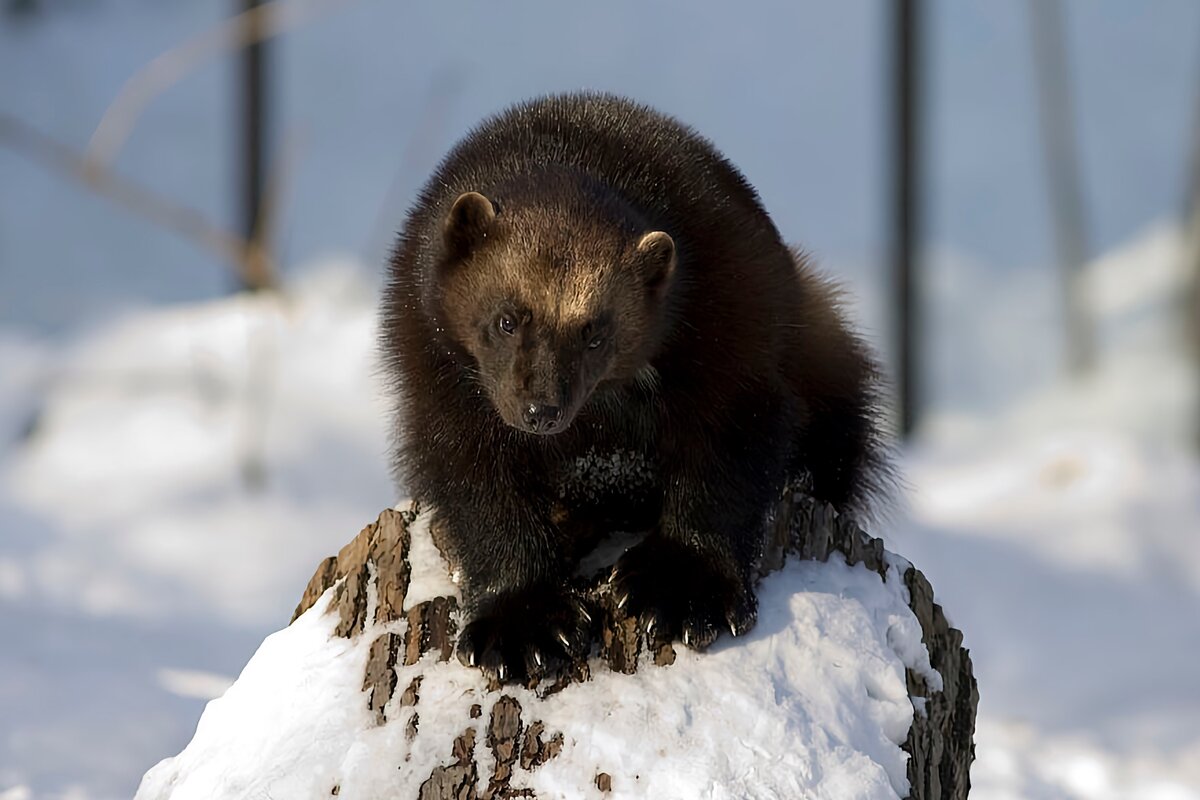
(430, 574)
(155, 418)
(130, 542)
(254, 723)
(194, 683)
(1067, 561)
(1016, 760)
(1061, 537)
(811, 703)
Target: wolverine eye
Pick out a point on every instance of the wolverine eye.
(595, 334)
(507, 324)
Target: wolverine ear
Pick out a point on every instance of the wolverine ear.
(656, 256)
(467, 223)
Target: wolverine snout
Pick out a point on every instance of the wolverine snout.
(541, 418)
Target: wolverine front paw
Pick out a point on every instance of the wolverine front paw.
(527, 634)
(677, 593)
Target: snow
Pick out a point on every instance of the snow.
(812, 703)
(1061, 536)
(138, 569)
(1069, 561)
(193, 683)
(301, 663)
(170, 404)
(428, 577)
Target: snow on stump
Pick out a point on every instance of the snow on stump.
(851, 685)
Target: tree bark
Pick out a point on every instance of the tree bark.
(940, 741)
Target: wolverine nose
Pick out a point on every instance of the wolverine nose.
(541, 418)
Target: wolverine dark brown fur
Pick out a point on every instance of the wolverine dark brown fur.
(583, 282)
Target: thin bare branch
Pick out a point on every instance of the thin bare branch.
(169, 68)
(147, 203)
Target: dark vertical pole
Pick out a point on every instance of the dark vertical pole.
(1191, 255)
(252, 168)
(1062, 177)
(906, 201)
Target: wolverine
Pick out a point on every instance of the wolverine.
(586, 281)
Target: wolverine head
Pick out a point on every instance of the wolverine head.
(554, 288)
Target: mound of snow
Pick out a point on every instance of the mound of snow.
(811, 703)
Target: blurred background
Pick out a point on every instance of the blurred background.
(197, 199)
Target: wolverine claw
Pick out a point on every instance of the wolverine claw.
(508, 648)
(679, 594)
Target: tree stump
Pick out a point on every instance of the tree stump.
(939, 743)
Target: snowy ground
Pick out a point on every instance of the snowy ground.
(138, 572)
(1062, 536)
(1069, 560)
